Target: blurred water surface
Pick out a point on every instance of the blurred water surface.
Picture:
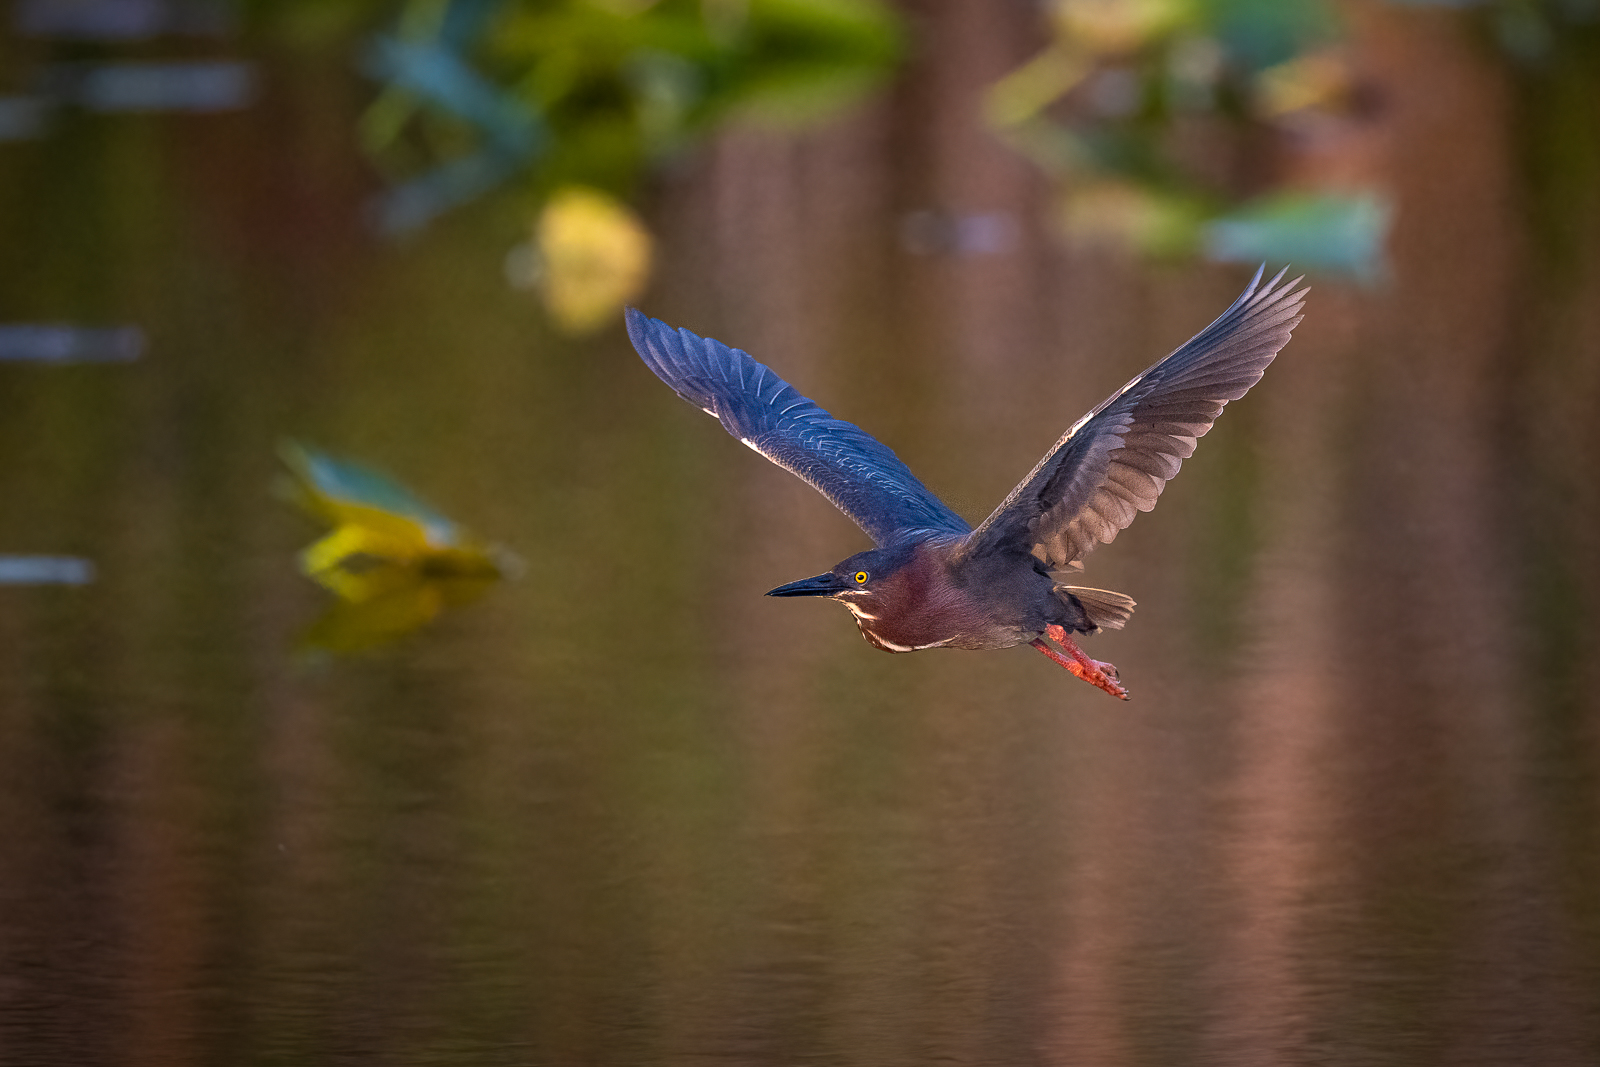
(625, 810)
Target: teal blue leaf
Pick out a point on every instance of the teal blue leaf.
(1330, 232)
(348, 483)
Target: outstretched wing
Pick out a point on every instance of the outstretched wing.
(1114, 462)
(849, 466)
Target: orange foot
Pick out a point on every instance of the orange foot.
(1103, 675)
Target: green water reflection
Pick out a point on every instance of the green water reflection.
(627, 810)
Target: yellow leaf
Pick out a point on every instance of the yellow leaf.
(594, 257)
(1110, 27)
(384, 538)
(1035, 85)
(1317, 79)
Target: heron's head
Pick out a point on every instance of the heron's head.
(855, 577)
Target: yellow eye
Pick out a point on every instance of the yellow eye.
(861, 577)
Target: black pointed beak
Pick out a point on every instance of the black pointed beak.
(822, 585)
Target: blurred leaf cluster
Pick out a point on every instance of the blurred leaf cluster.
(586, 96)
(1156, 116)
(621, 82)
(592, 92)
(392, 561)
(1152, 115)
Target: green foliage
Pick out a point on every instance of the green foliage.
(1113, 106)
(1109, 109)
(594, 92)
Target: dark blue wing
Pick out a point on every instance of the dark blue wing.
(1114, 462)
(844, 463)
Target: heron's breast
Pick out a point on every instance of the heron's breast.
(920, 607)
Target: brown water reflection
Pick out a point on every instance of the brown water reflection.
(628, 811)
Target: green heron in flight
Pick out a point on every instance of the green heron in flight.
(935, 582)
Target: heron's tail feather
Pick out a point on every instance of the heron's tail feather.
(1106, 609)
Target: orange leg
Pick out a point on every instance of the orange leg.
(1103, 675)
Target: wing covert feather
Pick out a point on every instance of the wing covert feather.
(857, 472)
(1115, 461)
